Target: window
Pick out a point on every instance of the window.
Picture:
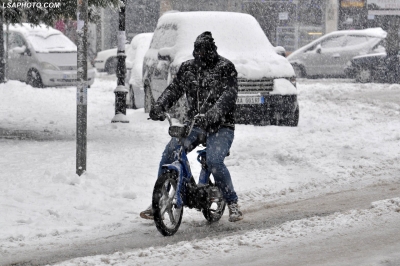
(164, 36)
(356, 40)
(15, 40)
(43, 43)
(333, 42)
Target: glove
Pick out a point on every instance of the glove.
(157, 113)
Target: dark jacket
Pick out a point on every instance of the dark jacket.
(211, 90)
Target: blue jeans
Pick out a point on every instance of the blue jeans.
(218, 145)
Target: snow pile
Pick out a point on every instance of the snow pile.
(387, 205)
(199, 249)
(348, 137)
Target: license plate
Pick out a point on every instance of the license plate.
(65, 76)
(250, 100)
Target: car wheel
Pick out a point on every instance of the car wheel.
(148, 97)
(34, 79)
(363, 75)
(299, 71)
(111, 65)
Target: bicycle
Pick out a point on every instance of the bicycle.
(176, 187)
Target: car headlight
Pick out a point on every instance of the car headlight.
(48, 66)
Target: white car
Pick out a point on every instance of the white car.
(106, 61)
(328, 55)
(266, 81)
(43, 56)
(134, 62)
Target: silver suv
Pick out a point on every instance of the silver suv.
(267, 83)
(43, 56)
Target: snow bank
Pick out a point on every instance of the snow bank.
(348, 137)
(197, 250)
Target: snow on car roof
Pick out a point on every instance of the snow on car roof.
(44, 38)
(30, 29)
(238, 37)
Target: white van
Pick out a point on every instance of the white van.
(267, 83)
(42, 56)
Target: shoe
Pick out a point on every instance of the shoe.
(148, 213)
(234, 212)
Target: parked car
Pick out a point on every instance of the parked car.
(377, 67)
(106, 60)
(134, 62)
(43, 56)
(267, 83)
(328, 55)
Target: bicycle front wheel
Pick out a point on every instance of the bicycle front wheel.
(167, 216)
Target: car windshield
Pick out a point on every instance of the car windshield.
(54, 43)
(164, 36)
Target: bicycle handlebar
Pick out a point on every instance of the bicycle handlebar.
(189, 126)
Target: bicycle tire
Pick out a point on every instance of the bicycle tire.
(214, 213)
(167, 217)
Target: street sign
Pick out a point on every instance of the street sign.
(352, 3)
(383, 7)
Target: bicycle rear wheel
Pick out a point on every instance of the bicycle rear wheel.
(166, 216)
(216, 205)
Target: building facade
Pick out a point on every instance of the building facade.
(287, 23)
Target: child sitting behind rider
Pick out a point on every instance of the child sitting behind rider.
(209, 82)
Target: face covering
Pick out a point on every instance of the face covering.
(204, 53)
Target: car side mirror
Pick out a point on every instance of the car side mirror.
(18, 50)
(319, 49)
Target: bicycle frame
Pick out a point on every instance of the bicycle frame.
(176, 187)
(182, 166)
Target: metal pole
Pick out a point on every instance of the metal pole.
(2, 52)
(121, 91)
(81, 126)
(392, 49)
(7, 49)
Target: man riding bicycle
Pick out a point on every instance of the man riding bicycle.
(210, 84)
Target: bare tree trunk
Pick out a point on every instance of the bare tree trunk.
(392, 38)
(99, 32)
(2, 55)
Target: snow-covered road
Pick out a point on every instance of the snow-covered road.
(307, 192)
